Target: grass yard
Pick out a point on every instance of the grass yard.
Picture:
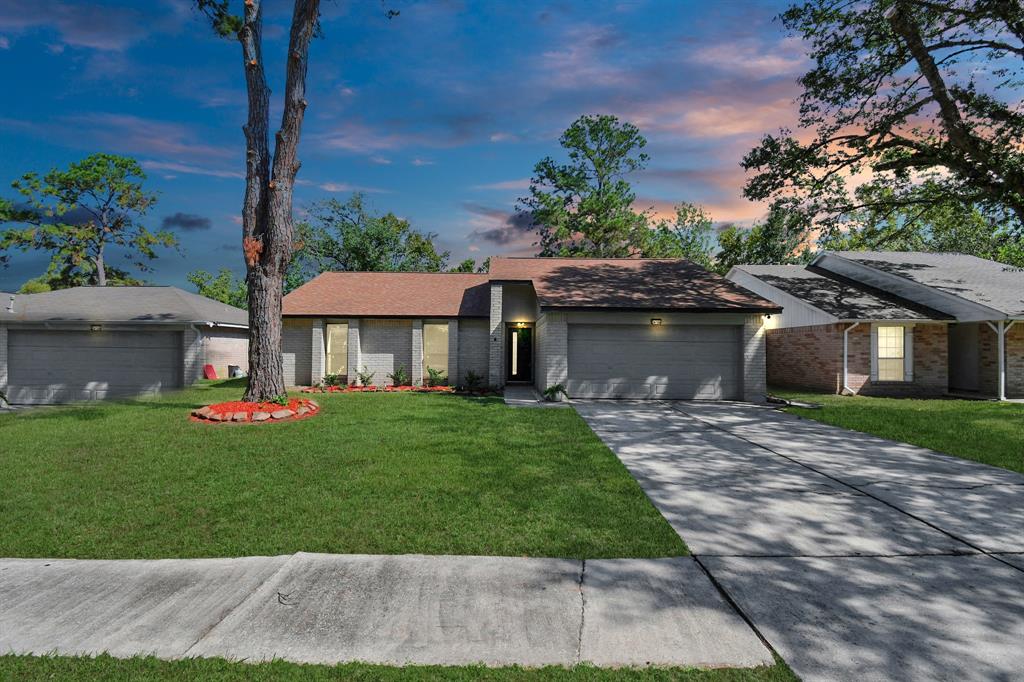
(987, 432)
(107, 668)
(373, 473)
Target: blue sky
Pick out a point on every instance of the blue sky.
(438, 115)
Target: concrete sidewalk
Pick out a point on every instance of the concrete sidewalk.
(325, 608)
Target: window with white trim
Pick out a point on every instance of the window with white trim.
(336, 336)
(890, 353)
(435, 347)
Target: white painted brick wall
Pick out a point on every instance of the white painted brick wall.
(454, 377)
(496, 354)
(385, 345)
(474, 349)
(317, 352)
(3, 359)
(297, 352)
(192, 357)
(553, 340)
(354, 357)
(225, 347)
(417, 353)
(754, 362)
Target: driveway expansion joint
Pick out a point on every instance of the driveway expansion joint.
(583, 611)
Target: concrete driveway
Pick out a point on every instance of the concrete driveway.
(855, 557)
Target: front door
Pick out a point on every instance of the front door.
(519, 353)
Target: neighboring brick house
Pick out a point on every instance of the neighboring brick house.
(603, 328)
(93, 343)
(894, 323)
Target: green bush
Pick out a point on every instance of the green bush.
(400, 377)
(436, 377)
(365, 376)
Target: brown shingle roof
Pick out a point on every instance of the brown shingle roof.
(391, 294)
(624, 283)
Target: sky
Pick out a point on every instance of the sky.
(437, 115)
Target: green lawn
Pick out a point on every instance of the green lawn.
(373, 473)
(107, 668)
(988, 432)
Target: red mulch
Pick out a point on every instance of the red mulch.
(229, 409)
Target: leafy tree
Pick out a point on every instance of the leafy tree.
(902, 91)
(223, 287)
(267, 223)
(781, 238)
(348, 236)
(467, 265)
(689, 236)
(585, 207)
(485, 267)
(78, 214)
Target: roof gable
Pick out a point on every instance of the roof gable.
(391, 294)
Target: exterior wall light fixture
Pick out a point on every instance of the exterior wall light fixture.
(656, 321)
(95, 327)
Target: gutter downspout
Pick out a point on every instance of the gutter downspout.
(846, 357)
(1000, 331)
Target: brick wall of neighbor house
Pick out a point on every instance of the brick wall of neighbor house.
(227, 347)
(192, 357)
(754, 370)
(474, 349)
(3, 359)
(988, 358)
(297, 351)
(812, 358)
(805, 357)
(385, 345)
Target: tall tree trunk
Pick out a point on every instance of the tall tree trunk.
(101, 270)
(267, 229)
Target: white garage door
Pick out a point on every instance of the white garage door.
(61, 366)
(645, 361)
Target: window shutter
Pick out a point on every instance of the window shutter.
(874, 353)
(908, 353)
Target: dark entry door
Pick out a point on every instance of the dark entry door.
(519, 353)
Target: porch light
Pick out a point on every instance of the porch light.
(95, 327)
(520, 325)
(656, 321)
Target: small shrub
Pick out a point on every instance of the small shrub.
(334, 380)
(365, 376)
(436, 377)
(552, 393)
(473, 381)
(400, 377)
(281, 400)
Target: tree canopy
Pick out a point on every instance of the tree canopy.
(348, 236)
(914, 95)
(77, 215)
(689, 235)
(585, 207)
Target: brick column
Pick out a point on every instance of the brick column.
(755, 386)
(496, 344)
(354, 356)
(318, 352)
(555, 344)
(3, 359)
(453, 353)
(416, 361)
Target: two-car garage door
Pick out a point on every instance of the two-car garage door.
(50, 366)
(696, 362)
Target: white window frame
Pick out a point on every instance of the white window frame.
(908, 352)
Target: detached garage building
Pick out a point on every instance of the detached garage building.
(603, 328)
(94, 343)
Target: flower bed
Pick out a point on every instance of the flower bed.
(381, 389)
(241, 412)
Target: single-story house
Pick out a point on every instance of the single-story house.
(92, 343)
(894, 323)
(603, 328)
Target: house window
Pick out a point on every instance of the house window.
(337, 349)
(891, 354)
(435, 347)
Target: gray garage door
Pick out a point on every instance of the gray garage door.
(644, 361)
(61, 366)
